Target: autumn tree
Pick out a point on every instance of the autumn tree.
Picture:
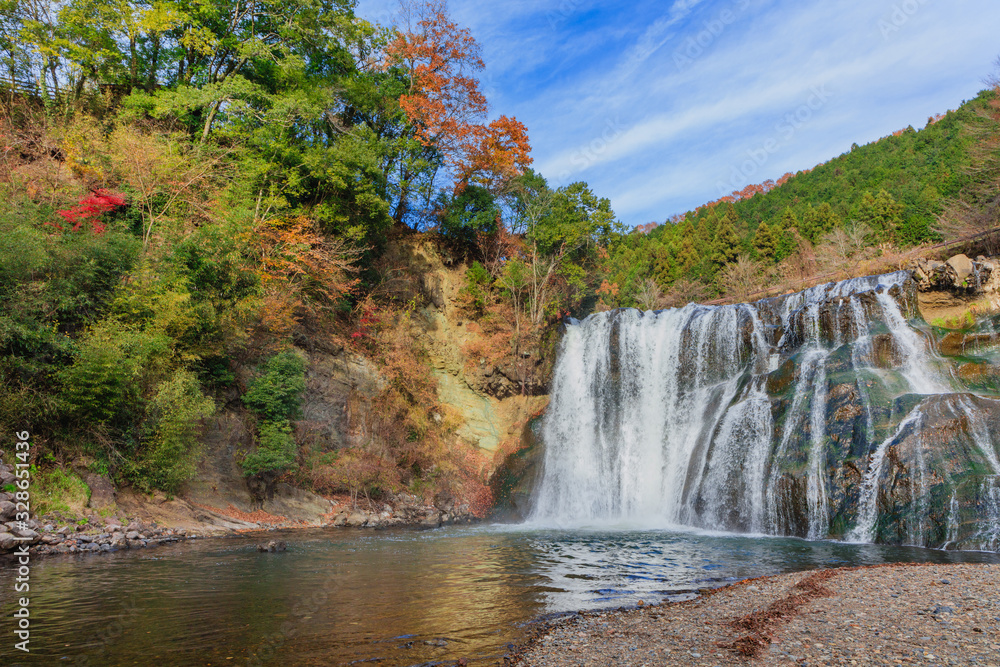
(741, 278)
(442, 100)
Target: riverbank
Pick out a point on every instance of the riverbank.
(877, 615)
(132, 520)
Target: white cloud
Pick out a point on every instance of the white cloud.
(598, 86)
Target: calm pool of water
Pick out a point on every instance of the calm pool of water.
(396, 597)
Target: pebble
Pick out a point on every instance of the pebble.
(882, 615)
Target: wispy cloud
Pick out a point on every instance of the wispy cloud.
(603, 97)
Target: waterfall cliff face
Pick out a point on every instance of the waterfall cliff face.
(819, 414)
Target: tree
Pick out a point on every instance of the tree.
(976, 209)
(765, 242)
(880, 213)
(740, 279)
(649, 296)
(686, 249)
(788, 219)
(470, 212)
(442, 100)
(817, 221)
(726, 245)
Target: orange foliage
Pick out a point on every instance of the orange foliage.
(302, 272)
(496, 154)
(748, 192)
(444, 103)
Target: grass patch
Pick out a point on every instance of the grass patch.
(57, 490)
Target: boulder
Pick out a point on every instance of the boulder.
(7, 542)
(7, 510)
(102, 491)
(356, 519)
(273, 546)
(28, 533)
(961, 268)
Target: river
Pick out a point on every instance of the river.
(399, 597)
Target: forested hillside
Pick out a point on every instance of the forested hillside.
(196, 191)
(858, 211)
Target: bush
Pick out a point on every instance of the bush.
(105, 382)
(276, 450)
(176, 413)
(477, 286)
(277, 394)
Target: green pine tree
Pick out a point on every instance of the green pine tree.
(765, 242)
(726, 245)
(881, 213)
(788, 220)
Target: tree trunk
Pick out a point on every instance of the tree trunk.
(211, 119)
(154, 62)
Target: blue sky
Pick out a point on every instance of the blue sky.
(662, 106)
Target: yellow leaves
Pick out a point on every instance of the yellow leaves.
(302, 272)
(200, 39)
(161, 18)
(293, 253)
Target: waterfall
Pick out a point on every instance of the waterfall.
(726, 418)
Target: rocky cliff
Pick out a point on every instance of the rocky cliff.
(862, 410)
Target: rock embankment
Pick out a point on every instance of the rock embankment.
(53, 538)
(883, 615)
(406, 510)
(62, 533)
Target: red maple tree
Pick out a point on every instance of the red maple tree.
(89, 210)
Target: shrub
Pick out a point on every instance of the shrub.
(477, 286)
(104, 384)
(276, 395)
(275, 451)
(57, 490)
(176, 413)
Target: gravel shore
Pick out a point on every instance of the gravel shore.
(883, 615)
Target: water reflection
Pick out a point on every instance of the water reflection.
(403, 597)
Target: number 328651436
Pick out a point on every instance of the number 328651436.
(23, 474)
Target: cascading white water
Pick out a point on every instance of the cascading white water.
(987, 537)
(864, 531)
(916, 369)
(682, 416)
